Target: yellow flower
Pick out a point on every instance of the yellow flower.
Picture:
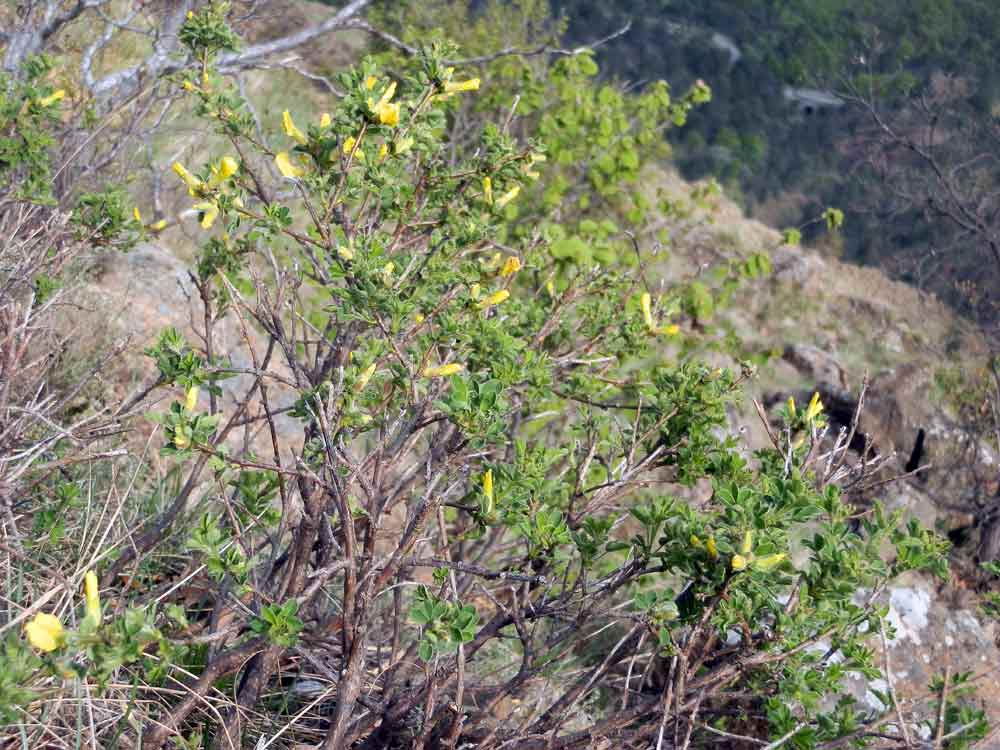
(814, 409)
(383, 151)
(474, 291)
(695, 541)
(791, 406)
(291, 130)
(188, 86)
(286, 167)
(713, 550)
(511, 266)
(191, 398)
(769, 562)
(92, 597)
(532, 160)
(136, 214)
(325, 120)
(346, 252)
(739, 562)
(158, 226)
(646, 301)
(227, 167)
(419, 318)
(507, 197)
(209, 213)
(364, 377)
(671, 330)
(56, 96)
(494, 299)
(454, 88)
(387, 113)
(488, 484)
(352, 144)
(190, 180)
(45, 632)
(550, 287)
(443, 371)
(387, 271)
(370, 82)
(747, 544)
(488, 190)
(190, 15)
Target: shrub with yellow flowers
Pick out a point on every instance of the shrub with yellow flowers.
(484, 494)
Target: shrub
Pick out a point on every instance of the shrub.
(487, 501)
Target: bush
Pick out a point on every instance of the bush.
(481, 532)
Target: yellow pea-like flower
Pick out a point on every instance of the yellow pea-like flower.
(550, 287)
(488, 484)
(325, 120)
(56, 96)
(507, 197)
(228, 166)
(443, 371)
(769, 562)
(712, 548)
(285, 166)
(474, 291)
(370, 82)
(136, 215)
(814, 408)
(209, 213)
(384, 110)
(388, 114)
(191, 398)
(646, 301)
(791, 406)
(181, 440)
(92, 597)
(454, 88)
(747, 545)
(511, 266)
(739, 562)
(383, 151)
(45, 632)
(529, 170)
(695, 541)
(488, 190)
(288, 124)
(387, 270)
(364, 377)
(190, 180)
(494, 299)
(158, 226)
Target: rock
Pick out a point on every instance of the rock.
(934, 630)
(817, 365)
(793, 265)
